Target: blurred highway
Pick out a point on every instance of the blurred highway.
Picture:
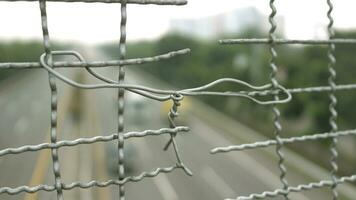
(25, 111)
(215, 176)
(24, 106)
(21, 113)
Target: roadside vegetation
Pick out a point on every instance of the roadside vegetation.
(299, 66)
(21, 51)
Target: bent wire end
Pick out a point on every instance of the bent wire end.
(202, 90)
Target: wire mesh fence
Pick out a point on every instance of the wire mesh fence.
(278, 141)
(274, 90)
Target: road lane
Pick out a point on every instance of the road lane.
(24, 120)
(301, 171)
(20, 124)
(216, 182)
(165, 187)
(149, 156)
(194, 146)
(98, 156)
(215, 176)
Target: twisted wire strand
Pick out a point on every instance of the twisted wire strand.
(299, 188)
(105, 79)
(85, 185)
(268, 143)
(96, 64)
(144, 2)
(258, 90)
(168, 93)
(333, 102)
(112, 84)
(121, 100)
(172, 115)
(180, 163)
(146, 91)
(187, 92)
(302, 90)
(91, 140)
(275, 84)
(110, 81)
(54, 98)
(137, 61)
(287, 41)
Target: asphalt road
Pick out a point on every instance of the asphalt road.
(25, 112)
(21, 110)
(24, 105)
(215, 176)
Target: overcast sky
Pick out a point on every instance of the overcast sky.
(97, 23)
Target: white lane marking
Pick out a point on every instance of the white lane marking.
(85, 171)
(165, 187)
(245, 161)
(216, 182)
(161, 181)
(265, 175)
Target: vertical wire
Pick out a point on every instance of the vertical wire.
(121, 99)
(173, 113)
(276, 112)
(333, 102)
(54, 102)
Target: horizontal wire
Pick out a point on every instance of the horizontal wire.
(157, 2)
(268, 143)
(299, 188)
(69, 143)
(201, 91)
(152, 92)
(287, 41)
(299, 90)
(90, 184)
(185, 92)
(135, 61)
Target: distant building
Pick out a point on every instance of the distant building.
(233, 22)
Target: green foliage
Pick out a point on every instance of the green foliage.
(299, 66)
(21, 51)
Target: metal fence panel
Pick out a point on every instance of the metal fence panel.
(278, 95)
(334, 133)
